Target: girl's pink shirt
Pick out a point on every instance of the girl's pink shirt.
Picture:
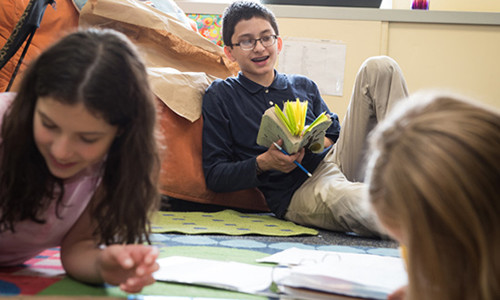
(31, 238)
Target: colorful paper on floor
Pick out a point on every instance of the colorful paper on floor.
(228, 222)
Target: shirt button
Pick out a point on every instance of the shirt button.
(271, 103)
(267, 91)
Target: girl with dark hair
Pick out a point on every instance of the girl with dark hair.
(79, 161)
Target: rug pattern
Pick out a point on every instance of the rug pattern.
(43, 275)
(227, 222)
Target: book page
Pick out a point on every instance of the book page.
(362, 275)
(272, 129)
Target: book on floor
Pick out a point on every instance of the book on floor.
(289, 125)
(317, 274)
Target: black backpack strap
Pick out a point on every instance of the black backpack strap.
(25, 29)
(28, 42)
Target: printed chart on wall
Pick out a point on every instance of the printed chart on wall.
(323, 61)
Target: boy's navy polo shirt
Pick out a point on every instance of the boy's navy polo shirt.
(232, 111)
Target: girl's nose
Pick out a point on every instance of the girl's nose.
(61, 149)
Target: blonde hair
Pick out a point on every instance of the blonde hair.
(434, 174)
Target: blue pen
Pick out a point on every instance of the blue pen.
(296, 162)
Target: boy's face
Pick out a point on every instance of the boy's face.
(256, 64)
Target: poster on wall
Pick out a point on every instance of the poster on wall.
(323, 61)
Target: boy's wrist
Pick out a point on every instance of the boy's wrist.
(258, 169)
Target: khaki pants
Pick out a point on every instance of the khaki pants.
(335, 197)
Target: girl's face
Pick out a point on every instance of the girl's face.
(69, 137)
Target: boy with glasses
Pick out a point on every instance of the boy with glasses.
(333, 198)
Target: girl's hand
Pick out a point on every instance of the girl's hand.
(129, 266)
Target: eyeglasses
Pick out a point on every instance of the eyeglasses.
(266, 41)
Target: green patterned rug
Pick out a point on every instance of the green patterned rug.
(70, 287)
(228, 222)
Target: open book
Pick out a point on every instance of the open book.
(317, 274)
(291, 128)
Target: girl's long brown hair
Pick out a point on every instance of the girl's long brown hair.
(102, 70)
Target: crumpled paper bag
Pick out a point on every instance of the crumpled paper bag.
(164, 42)
(169, 83)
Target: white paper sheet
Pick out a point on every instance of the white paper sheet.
(222, 274)
(323, 61)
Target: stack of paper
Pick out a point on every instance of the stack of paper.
(301, 274)
(359, 275)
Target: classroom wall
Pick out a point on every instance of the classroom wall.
(458, 57)
(461, 58)
(454, 5)
(362, 39)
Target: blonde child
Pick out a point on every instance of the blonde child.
(434, 181)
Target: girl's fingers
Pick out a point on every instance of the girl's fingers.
(152, 255)
(136, 284)
(143, 269)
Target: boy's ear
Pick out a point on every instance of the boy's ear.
(227, 51)
(280, 44)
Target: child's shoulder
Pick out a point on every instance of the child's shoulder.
(222, 84)
(298, 80)
(6, 99)
(296, 77)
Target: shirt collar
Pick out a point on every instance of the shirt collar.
(279, 83)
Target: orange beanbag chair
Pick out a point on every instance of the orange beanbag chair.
(181, 64)
(57, 21)
(182, 174)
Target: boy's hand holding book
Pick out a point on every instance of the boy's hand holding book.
(276, 159)
(289, 125)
